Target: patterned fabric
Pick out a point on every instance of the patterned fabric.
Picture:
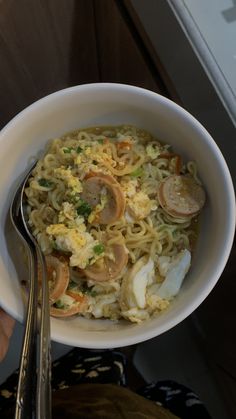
(179, 399)
(76, 367)
(8, 392)
(82, 366)
(89, 366)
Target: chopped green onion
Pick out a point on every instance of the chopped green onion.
(137, 173)
(100, 141)
(59, 304)
(98, 249)
(45, 183)
(68, 150)
(87, 290)
(84, 209)
(79, 150)
(84, 287)
(55, 245)
(72, 285)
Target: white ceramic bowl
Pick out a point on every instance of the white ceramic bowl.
(107, 104)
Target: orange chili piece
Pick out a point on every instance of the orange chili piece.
(123, 144)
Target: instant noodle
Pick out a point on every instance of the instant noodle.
(115, 211)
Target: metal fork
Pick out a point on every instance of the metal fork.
(34, 389)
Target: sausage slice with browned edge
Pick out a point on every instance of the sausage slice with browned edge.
(108, 267)
(58, 277)
(181, 196)
(76, 308)
(98, 184)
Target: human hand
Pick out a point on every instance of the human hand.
(6, 329)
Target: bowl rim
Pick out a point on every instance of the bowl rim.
(229, 235)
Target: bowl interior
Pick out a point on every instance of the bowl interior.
(110, 104)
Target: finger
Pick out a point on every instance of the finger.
(4, 343)
(7, 323)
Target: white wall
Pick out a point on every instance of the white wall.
(187, 74)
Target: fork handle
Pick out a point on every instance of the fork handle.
(44, 371)
(25, 399)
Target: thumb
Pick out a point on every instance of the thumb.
(6, 329)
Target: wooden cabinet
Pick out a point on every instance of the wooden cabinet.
(47, 45)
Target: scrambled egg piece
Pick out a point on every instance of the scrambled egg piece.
(140, 205)
(129, 187)
(85, 156)
(156, 303)
(67, 212)
(141, 295)
(72, 181)
(78, 159)
(133, 288)
(79, 243)
(136, 315)
(69, 217)
(103, 306)
(105, 303)
(88, 161)
(87, 151)
(175, 274)
(153, 151)
(105, 158)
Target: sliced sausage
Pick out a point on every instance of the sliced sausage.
(181, 196)
(108, 268)
(76, 308)
(58, 276)
(92, 191)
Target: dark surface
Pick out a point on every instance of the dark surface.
(217, 319)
